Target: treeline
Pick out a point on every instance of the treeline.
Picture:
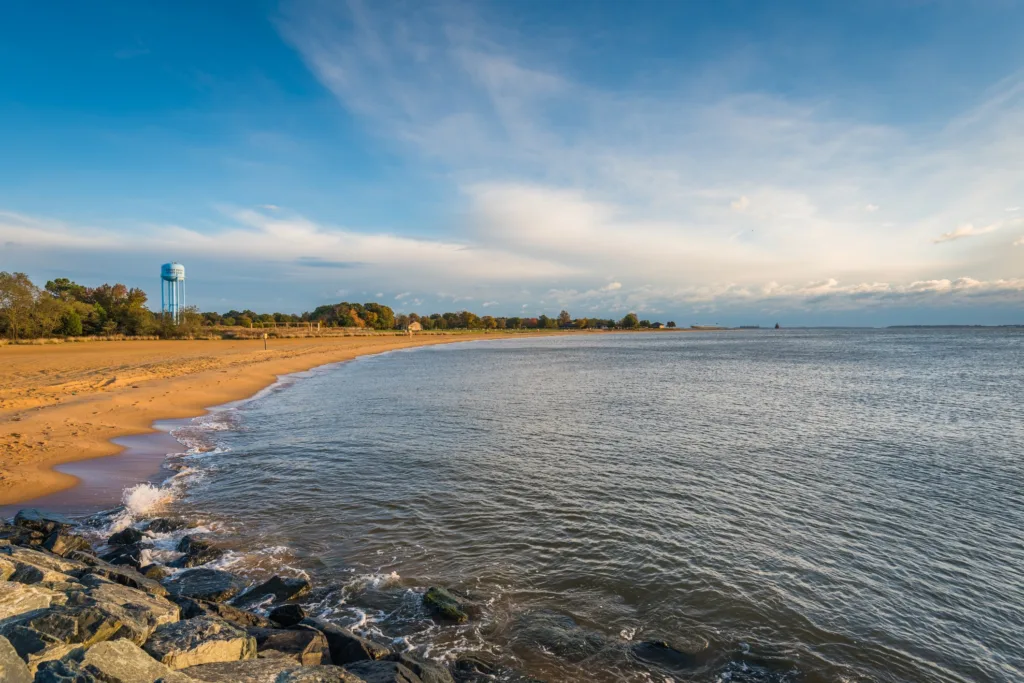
(63, 308)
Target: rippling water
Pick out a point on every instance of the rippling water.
(783, 506)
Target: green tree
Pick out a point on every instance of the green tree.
(670, 323)
(17, 298)
(71, 323)
(564, 319)
(629, 322)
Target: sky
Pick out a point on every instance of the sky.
(725, 162)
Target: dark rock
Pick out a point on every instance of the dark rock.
(163, 525)
(60, 671)
(382, 672)
(427, 671)
(12, 668)
(21, 536)
(319, 674)
(347, 647)
(194, 608)
(445, 606)
(205, 584)
(277, 589)
(62, 543)
(202, 640)
(306, 646)
(155, 572)
(560, 635)
(138, 611)
(34, 634)
(43, 522)
(123, 575)
(662, 654)
(471, 669)
(125, 555)
(197, 552)
(129, 536)
(246, 671)
(287, 615)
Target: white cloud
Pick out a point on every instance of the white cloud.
(740, 204)
(966, 230)
(269, 207)
(399, 297)
(488, 304)
(612, 286)
(871, 208)
(1019, 242)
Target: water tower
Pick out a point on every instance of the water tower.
(172, 289)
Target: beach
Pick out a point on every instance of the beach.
(66, 402)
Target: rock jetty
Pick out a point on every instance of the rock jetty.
(72, 612)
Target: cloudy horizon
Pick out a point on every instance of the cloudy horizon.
(810, 166)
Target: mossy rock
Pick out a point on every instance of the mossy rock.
(444, 605)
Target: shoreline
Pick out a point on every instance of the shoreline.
(105, 394)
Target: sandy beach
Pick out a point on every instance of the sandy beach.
(65, 402)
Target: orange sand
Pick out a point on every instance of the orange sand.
(65, 402)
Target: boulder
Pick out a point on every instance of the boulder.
(16, 535)
(48, 634)
(129, 536)
(43, 522)
(33, 566)
(126, 576)
(7, 568)
(305, 645)
(12, 668)
(346, 647)
(245, 671)
(197, 551)
(122, 661)
(19, 598)
(202, 640)
(427, 671)
(287, 615)
(141, 612)
(155, 572)
(63, 543)
(382, 672)
(125, 555)
(162, 525)
(213, 585)
(194, 608)
(63, 671)
(444, 606)
(319, 674)
(276, 589)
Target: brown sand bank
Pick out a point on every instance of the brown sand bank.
(65, 402)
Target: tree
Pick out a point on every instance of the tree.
(670, 323)
(71, 323)
(514, 323)
(629, 322)
(17, 298)
(564, 319)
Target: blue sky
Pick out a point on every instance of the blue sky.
(734, 162)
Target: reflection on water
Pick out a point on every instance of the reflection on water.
(804, 505)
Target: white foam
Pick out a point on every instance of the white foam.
(139, 500)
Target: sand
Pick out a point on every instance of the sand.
(65, 402)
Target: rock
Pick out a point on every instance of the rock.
(319, 674)
(7, 568)
(163, 525)
(213, 585)
(202, 640)
(125, 555)
(346, 647)
(33, 566)
(62, 543)
(155, 572)
(58, 671)
(141, 612)
(129, 536)
(43, 522)
(126, 576)
(17, 535)
(427, 671)
(12, 668)
(194, 608)
(382, 672)
(277, 589)
(19, 598)
(445, 606)
(246, 671)
(661, 653)
(49, 634)
(287, 615)
(197, 552)
(305, 645)
(122, 661)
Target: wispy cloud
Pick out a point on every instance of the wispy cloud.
(966, 230)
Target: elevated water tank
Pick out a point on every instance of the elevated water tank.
(172, 272)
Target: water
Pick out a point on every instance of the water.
(782, 506)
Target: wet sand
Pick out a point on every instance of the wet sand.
(65, 403)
